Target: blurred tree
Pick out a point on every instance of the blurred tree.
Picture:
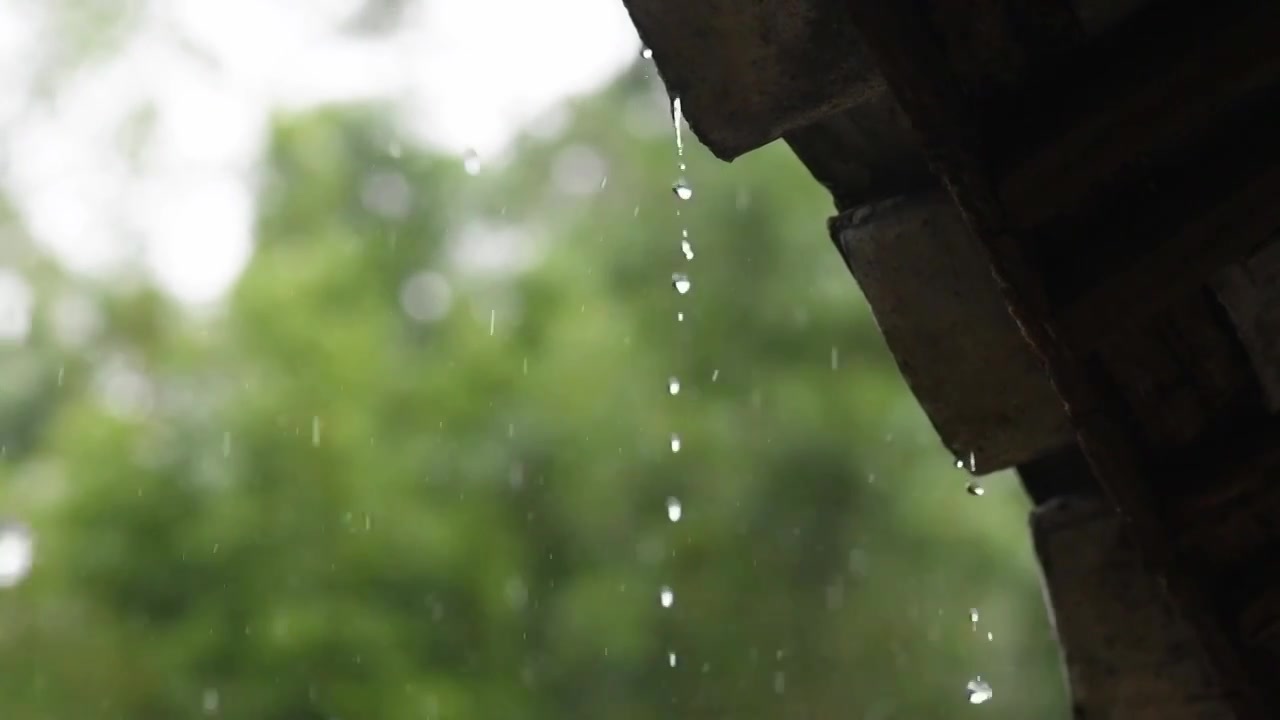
(419, 465)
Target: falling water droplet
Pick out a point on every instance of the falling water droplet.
(315, 430)
(973, 488)
(682, 190)
(17, 550)
(679, 317)
(687, 249)
(677, 119)
(673, 385)
(674, 510)
(675, 448)
(646, 53)
(973, 615)
(666, 596)
(978, 691)
(990, 637)
(471, 162)
(681, 283)
(671, 659)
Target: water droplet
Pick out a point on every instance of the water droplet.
(990, 637)
(779, 682)
(681, 283)
(675, 444)
(973, 615)
(646, 53)
(973, 488)
(682, 190)
(978, 691)
(835, 358)
(671, 659)
(471, 162)
(677, 119)
(679, 317)
(687, 249)
(210, 701)
(674, 510)
(17, 550)
(315, 430)
(666, 597)
(673, 385)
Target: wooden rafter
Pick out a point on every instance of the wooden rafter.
(960, 149)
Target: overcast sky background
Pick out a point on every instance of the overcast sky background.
(467, 74)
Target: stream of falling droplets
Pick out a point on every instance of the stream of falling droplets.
(682, 284)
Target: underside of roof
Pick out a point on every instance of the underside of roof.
(1063, 215)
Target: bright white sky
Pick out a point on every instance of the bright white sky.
(468, 73)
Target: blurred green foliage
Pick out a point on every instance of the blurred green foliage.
(399, 475)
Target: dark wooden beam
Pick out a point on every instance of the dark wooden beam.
(1142, 93)
(899, 40)
(1195, 249)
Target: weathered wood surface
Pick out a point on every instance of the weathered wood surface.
(927, 281)
(1129, 653)
(1112, 434)
(1250, 292)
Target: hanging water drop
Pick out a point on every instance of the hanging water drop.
(673, 385)
(17, 550)
(674, 510)
(471, 162)
(687, 249)
(978, 691)
(681, 283)
(682, 190)
(666, 597)
(675, 448)
(646, 53)
(677, 119)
